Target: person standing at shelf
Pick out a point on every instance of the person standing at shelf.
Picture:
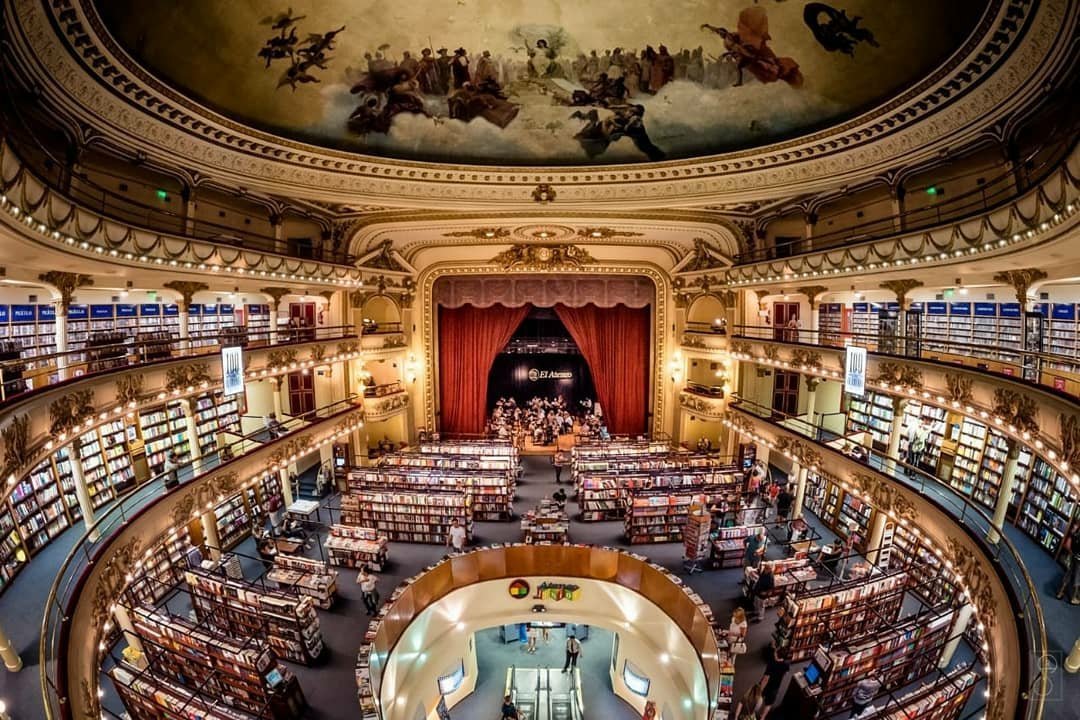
(455, 539)
(736, 635)
(784, 500)
(755, 548)
(573, 652)
(776, 669)
(559, 496)
(1069, 589)
(864, 693)
(368, 591)
(172, 470)
(749, 703)
(761, 589)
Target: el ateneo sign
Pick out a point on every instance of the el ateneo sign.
(536, 375)
(855, 370)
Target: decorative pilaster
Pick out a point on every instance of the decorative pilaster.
(901, 287)
(1021, 282)
(275, 294)
(66, 284)
(186, 290)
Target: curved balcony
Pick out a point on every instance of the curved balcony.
(94, 574)
(987, 564)
(52, 219)
(1020, 221)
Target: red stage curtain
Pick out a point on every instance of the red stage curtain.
(469, 339)
(615, 343)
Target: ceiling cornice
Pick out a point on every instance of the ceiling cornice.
(1016, 51)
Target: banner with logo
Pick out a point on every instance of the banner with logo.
(232, 370)
(855, 370)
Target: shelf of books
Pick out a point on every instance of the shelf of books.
(305, 576)
(941, 699)
(807, 620)
(163, 571)
(831, 323)
(911, 553)
(874, 414)
(491, 492)
(934, 418)
(992, 469)
(1048, 507)
(214, 414)
(163, 430)
(450, 462)
(233, 521)
(258, 323)
(816, 489)
(38, 507)
(894, 655)
(854, 514)
(837, 509)
(287, 620)
(355, 547)
(407, 516)
(470, 447)
(935, 326)
(789, 575)
(206, 322)
(602, 495)
(1020, 483)
(729, 545)
(598, 451)
(656, 516)
(1063, 329)
(12, 552)
(969, 450)
(864, 321)
(194, 670)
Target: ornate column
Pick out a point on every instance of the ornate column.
(812, 292)
(66, 284)
(186, 290)
(875, 536)
(82, 493)
(188, 208)
(896, 429)
(123, 621)
(210, 534)
(897, 194)
(275, 392)
(286, 488)
(810, 220)
(275, 294)
(192, 431)
(1008, 482)
(11, 658)
(277, 222)
(901, 287)
(1021, 282)
(812, 383)
(960, 623)
(1072, 661)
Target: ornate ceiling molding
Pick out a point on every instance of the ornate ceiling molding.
(1013, 53)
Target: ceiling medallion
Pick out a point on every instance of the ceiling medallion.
(542, 257)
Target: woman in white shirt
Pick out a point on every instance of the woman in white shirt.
(533, 635)
(737, 628)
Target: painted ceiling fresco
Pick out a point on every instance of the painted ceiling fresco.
(541, 82)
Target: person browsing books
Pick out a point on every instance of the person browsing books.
(455, 539)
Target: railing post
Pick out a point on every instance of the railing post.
(12, 661)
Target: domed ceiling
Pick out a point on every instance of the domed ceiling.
(541, 82)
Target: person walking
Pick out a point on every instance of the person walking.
(776, 669)
(864, 693)
(749, 704)
(1069, 590)
(784, 500)
(573, 652)
(761, 589)
(533, 635)
(368, 590)
(456, 538)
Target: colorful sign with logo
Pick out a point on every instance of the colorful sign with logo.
(232, 370)
(855, 370)
(519, 589)
(557, 591)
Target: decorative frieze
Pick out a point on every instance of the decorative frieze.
(186, 290)
(812, 292)
(281, 358)
(1017, 409)
(960, 387)
(885, 496)
(16, 437)
(66, 284)
(901, 286)
(1021, 281)
(70, 410)
(542, 257)
(187, 376)
(129, 387)
(902, 374)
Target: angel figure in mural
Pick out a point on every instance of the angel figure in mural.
(835, 30)
(621, 121)
(384, 94)
(748, 47)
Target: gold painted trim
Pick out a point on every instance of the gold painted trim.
(659, 318)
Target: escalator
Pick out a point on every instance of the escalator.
(545, 693)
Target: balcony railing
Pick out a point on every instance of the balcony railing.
(1005, 556)
(1012, 361)
(23, 376)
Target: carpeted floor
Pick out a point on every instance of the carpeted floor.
(329, 687)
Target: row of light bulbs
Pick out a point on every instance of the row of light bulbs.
(352, 279)
(1050, 454)
(790, 274)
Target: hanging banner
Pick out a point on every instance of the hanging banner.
(855, 370)
(232, 370)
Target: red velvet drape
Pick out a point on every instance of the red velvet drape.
(469, 339)
(615, 343)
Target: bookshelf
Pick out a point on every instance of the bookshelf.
(789, 574)
(969, 451)
(233, 521)
(831, 323)
(934, 417)
(940, 699)
(452, 461)
(913, 555)
(258, 322)
(12, 551)
(407, 516)
(352, 546)
(936, 326)
(602, 496)
(729, 545)
(837, 614)
(38, 507)
(873, 414)
(816, 489)
(1048, 508)
(163, 571)
(470, 447)
(287, 620)
(192, 664)
(163, 429)
(491, 492)
(215, 414)
(896, 656)
(546, 523)
(656, 516)
(305, 576)
(854, 513)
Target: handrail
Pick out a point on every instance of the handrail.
(995, 544)
(1008, 186)
(1030, 364)
(99, 535)
(136, 354)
